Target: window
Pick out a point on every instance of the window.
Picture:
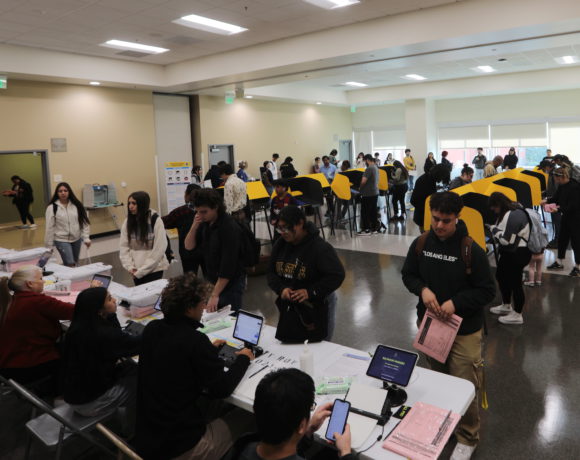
(565, 139)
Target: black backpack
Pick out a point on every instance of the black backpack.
(250, 247)
(168, 252)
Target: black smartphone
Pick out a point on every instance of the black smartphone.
(338, 418)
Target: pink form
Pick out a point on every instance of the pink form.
(435, 337)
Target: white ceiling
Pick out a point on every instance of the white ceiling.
(79, 26)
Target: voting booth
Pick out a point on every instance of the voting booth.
(11, 261)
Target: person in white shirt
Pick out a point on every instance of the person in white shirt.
(67, 225)
(273, 167)
(235, 194)
(143, 241)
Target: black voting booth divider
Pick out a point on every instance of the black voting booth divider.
(523, 190)
(312, 195)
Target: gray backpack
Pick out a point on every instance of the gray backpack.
(538, 239)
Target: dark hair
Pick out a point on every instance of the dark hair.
(195, 168)
(479, 148)
(281, 182)
(398, 165)
(546, 164)
(282, 401)
(191, 189)
(512, 148)
(265, 164)
(138, 224)
(221, 163)
(359, 154)
(369, 157)
(288, 160)
(407, 150)
(345, 165)
(82, 214)
(444, 153)
(446, 203)
(333, 152)
(275, 155)
(210, 198)
(226, 169)
(15, 178)
(377, 154)
(325, 157)
(317, 158)
(440, 173)
(292, 215)
(503, 202)
(182, 293)
(467, 169)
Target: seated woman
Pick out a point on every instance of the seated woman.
(93, 381)
(30, 328)
(304, 269)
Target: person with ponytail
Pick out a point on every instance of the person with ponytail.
(93, 381)
(67, 225)
(143, 241)
(465, 178)
(30, 327)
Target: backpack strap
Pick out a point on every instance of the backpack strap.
(466, 243)
(420, 245)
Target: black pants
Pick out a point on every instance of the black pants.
(368, 213)
(27, 375)
(24, 211)
(148, 278)
(191, 264)
(509, 275)
(569, 232)
(399, 192)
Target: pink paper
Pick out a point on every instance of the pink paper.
(423, 433)
(435, 337)
(550, 207)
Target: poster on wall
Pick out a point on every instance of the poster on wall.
(177, 178)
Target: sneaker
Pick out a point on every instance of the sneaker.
(462, 452)
(575, 272)
(529, 283)
(553, 244)
(364, 233)
(538, 283)
(375, 232)
(501, 309)
(555, 266)
(512, 318)
(32, 226)
(24, 227)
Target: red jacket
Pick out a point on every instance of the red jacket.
(30, 330)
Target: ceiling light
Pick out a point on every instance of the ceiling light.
(485, 68)
(123, 45)
(414, 76)
(567, 60)
(318, 103)
(356, 83)
(209, 25)
(95, 83)
(332, 4)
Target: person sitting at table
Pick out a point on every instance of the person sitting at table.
(94, 383)
(282, 405)
(304, 269)
(30, 328)
(179, 368)
(242, 174)
(280, 201)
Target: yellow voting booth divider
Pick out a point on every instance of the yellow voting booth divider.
(256, 191)
(341, 187)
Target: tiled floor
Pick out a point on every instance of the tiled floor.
(532, 370)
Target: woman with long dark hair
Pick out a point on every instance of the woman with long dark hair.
(400, 186)
(287, 170)
(94, 382)
(67, 224)
(512, 231)
(430, 161)
(143, 241)
(22, 198)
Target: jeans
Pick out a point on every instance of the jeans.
(69, 252)
(478, 174)
(24, 211)
(509, 273)
(411, 181)
(332, 300)
(233, 293)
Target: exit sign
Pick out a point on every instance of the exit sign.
(3, 82)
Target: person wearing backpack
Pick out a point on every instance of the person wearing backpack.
(220, 239)
(512, 232)
(450, 274)
(143, 242)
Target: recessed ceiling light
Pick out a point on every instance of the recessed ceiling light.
(484, 68)
(332, 4)
(209, 25)
(567, 60)
(356, 83)
(95, 83)
(414, 76)
(318, 103)
(123, 45)
(249, 97)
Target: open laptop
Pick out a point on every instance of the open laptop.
(247, 329)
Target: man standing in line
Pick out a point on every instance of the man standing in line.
(409, 163)
(273, 167)
(450, 274)
(478, 163)
(329, 171)
(369, 191)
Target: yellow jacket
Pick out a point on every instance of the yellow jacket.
(409, 163)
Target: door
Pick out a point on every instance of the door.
(345, 150)
(221, 152)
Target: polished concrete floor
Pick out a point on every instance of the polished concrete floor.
(532, 370)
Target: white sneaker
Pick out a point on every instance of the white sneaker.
(501, 309)
(512, 318)
(24, 227)
(529, 283)
(32, 226)
(462, 452)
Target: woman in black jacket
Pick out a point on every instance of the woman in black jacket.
(304, 269)
(287, 170)
(425, 186)
(22, 198)
(93, 381)
(429, 162)
(510, 161)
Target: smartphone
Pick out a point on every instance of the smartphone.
(104, 279)
(44, 259)
(338, 418)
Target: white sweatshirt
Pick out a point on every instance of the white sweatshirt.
(64, 226)
(145, 258)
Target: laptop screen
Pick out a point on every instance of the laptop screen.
(104, 279)
(248, 327)
(392, 365)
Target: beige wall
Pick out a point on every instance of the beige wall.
(259, 128)
(379, 117)
(110, 134)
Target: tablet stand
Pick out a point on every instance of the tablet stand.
(256, 350)
(395, 395)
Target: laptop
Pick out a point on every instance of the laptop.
(247, 329)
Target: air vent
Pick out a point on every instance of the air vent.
(133, 54)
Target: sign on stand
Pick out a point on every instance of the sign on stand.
(177, 178)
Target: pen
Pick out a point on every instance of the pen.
(257, 372)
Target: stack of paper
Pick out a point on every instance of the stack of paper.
(435, 336)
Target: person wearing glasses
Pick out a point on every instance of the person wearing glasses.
(304, 267)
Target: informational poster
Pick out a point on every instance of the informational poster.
(177, 178)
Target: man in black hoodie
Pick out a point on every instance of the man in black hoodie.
(438, 276)
(304, 267)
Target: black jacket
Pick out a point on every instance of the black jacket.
(429, 164)
(425, 186)
(214, 175)
(510, 161)
(287, 171)
(90, 358)
(446, 162)
(24, 193)
(441, 269)
(312, 265)
(177, 363)
(181, 218)
(567, 196)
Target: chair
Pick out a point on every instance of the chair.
(57, 425)
(124, 448)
